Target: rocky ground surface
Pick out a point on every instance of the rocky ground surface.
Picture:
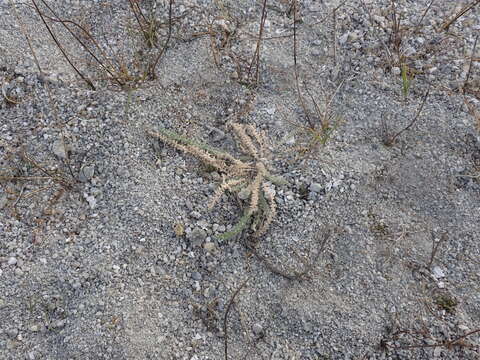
(107, 248)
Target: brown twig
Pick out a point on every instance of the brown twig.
(455, 341)
(150, 33)
(300, 96)
(446, 344)
(329, 13)
(424, 13)
(390, 141)
(225, 318)
(256, 55)
(84, 78)
(372, 22)
(19, 197)
(435, 247)
(457, 16)
(155, 63)
(317, 108)
(58, 179)
(89, 36)
(135, 13)
(24, 32)
(292, 274)
(396, 34)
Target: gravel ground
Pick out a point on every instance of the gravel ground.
(108, 250)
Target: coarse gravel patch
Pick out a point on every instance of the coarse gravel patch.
(108, 249)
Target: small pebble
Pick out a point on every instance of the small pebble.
(197, 236)
(396, 71)
(59, 324)
(58, 148)
(343, 39)
(271, 111)
(87, 173)
(195, 215)
(315, 187)
(438, 272)
(257, 329)
(12, 333)
(196, 276)
(18, 272)
(3, 201)
(244, 194)
(209, 246)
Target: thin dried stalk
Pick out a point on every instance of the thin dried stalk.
(155, 63)
(60, 47)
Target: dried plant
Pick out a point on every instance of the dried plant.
(22, 177)
(389, 139)
(229, 45)
(249, 178)
(116, 69)
(322, 121)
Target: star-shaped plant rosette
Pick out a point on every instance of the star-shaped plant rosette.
(249, 178)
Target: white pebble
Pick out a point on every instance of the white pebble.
(438, 272)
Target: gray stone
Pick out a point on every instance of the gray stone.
(438, 272)
(34, 328)
(77, 284)
(271, 110)
(343, 39)
(195, 215)
(197, 236)
(209, 292)
(189, 205)
(315, 187)
(91, 200)
(87, 173)
(244, 194)
(59, 324)
(396, 71)
(197, 276)
(3, 201)
(257, 329)
(209, 246)
(58, 148)
(12, 333)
